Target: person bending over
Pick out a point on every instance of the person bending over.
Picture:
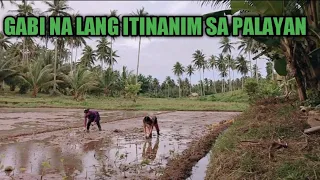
(93, 116)
(148, 123)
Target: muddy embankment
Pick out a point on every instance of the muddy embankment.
(118, 152)
(183, 166)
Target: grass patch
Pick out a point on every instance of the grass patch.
(233, 96)
(158, 104)
(245, 150)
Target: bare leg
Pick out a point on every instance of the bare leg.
(98, 124)
(150, 131)
(145, 130)
(157, 128)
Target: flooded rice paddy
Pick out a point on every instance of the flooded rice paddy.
(118, 152)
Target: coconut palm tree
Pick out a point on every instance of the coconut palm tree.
(229, 60)
(213, 64)
(102, 50)
(4, 42)
(88, 56)
(155, 84)
(204, 67)
(57, 8)
(75, 42)
(38, 76)
(80, 81)
(139, 12)
(106, 80)
(178, 70)
(227, 47)
(111, 58)
(168, 82)
(199, 63)
(24, 9)
(247, 45)
(112, 53)
(7, 67)
(233, 68)
(190, 71)
(242, 67)
(222, 65)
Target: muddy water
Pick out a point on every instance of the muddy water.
(199, 170)
(118, 152)
(124, 156)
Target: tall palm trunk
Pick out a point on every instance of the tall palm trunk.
(257, 70)
(71, 59)
(233, 78)
(230, 83)
(75, 57)
(55, 67)
(223, 84)
(111, 53)
(200, 83)
(214, 83)
(24, 50)
(250, 64)
(179, 86)
(102, 65)
(204, 93)
(190, 84)
(138, 60)
(242, 82)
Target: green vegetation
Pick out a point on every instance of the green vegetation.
(293, 57)
(254, 146)
(247, 150)
(120, 103)
(235, 96)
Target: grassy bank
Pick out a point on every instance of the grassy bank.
(164, 104)
(232, 96)
(247, 149)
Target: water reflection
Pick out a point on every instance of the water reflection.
(96, 159)
(150, 153)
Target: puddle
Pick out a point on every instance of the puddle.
(199, 170)
(126, 156)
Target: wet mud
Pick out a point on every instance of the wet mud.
(26, 121)
(118, 152)
(181, 166)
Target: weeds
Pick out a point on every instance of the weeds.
(242, 151)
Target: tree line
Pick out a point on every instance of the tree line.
(32, 66)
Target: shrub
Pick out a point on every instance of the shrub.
(262, 89)
(131, 91)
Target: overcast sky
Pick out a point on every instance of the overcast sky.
(158, 55)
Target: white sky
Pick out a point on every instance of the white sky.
(158, 55)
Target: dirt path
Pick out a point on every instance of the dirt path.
(117, 152)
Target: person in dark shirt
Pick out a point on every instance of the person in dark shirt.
(93, 116)
(148, 124)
